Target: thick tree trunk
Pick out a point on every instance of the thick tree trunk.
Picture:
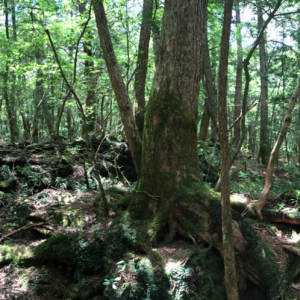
(239, 74)
(142, 64)
(270, 169)
(228, 236)
(131, 130)
(170, 174)
(264, 145)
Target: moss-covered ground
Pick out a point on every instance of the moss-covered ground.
(68, 250)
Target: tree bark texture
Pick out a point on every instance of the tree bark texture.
(264, 145)
(204, 123)
(9, 98)
(90, 75)
(211, 101)
(142, 64)
(298, 136)
(239, 74)
(270, 169)
(131, 130)
(169, 162)
(227, 230)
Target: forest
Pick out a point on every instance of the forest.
(149, 149)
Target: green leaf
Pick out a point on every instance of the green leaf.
(106, 283)
(121, 262)
(133, 269)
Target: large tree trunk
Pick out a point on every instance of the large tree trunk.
(239, 75)
(169, 162)
(142, 64)
(270, 169)
(264, 146)
(228, 236)
(170, 195)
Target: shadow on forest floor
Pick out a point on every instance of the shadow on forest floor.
(46, 200)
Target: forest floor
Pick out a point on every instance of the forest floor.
(45, 196)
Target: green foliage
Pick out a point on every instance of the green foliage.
(112, 282)
(122, 265)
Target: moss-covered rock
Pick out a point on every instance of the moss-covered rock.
(88, 288)
(81, 253)
(8, 184)
(16, 254)
(68, 215)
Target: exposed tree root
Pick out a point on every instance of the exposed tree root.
(201, 223)
(268, 214)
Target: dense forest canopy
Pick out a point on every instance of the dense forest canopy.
(130, 127)
(33, 71)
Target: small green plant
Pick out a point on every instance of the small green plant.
(112, 282)
(294, 201)
(122, 265)
(279, 207)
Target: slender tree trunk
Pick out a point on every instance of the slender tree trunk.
(69, 122)
(10, 99)
(274, 154)
(211, 101)
(264, 145)
(142, 63)
(204, 124)
(26, 126)
(246, 90)
(47, 108)
(228, 237)
(239, 74)
(298, 136)
(90, 75)
(131, 130)
(38, 97)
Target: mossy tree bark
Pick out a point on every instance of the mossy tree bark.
(91, 77)
(270, 169)
(170, 195)
(227, 230)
